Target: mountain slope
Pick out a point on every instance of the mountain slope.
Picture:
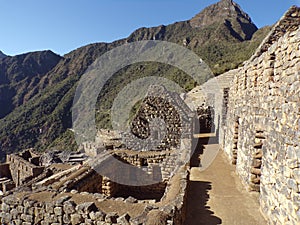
(2, 55)
(44, 119)
(20, 74)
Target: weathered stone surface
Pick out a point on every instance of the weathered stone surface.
(27, 218)
(49, 208)
(97, 216)
(131, 200)
(296, 174)
(292, 184)
(86, 207)
(262, 121)
(66, 219)
(26, 223)
(69, 207)
(111, 218)
(60, 201)
(17, 222)
(5, 218)
(124, 219)
(58, 211)
(38, 214)
(76, 219)
(14, 213)
(5, 208)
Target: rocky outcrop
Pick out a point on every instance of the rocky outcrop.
(229, 13)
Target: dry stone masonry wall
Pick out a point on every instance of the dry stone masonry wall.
(214, 94)
(262, 134)
(162, 121)
(24, 209)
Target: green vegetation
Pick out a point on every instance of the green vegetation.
(44, 121)
(129, 74)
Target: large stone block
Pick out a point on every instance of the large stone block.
(69, 207)
(76, 219)
(111, 218)
(58, 211)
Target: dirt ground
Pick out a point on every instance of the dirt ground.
(216, 196)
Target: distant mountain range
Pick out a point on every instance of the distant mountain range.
(37, 89)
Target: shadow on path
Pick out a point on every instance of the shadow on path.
(198, 213)
(216, 195)
(198, 147)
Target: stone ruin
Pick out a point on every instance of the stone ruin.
(162, 122)
(71, 189)
(206, 119)
(68, 193)
(18, 169)
(256, 118)
(261, 132)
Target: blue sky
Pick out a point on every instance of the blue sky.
(64, 25)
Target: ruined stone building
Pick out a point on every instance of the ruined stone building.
(261, 132)
(117, 184)
(257, 117)
(18, 169)
(162, 122)
(256, 120)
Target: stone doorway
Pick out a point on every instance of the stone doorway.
(206, 116)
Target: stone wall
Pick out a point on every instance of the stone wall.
(159, 164)
(25, 209)
(161, 121)
(262, 125)
(147, 192)
(63, 211)
(171, 209)
(91, 182)
(21, 169)
(6, 183)
(213, 93)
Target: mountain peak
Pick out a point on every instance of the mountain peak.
(2, 55)
(229, 13)
(230, 2)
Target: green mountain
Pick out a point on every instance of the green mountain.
(19, 76)
(39, 112)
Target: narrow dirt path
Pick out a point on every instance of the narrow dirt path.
(216, 196)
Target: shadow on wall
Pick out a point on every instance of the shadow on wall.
(197, 212)
(149, 192)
